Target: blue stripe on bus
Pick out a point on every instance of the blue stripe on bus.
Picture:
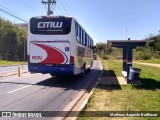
(57, 70)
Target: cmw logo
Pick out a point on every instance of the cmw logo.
(50, 24)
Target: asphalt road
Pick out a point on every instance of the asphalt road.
(38, 92)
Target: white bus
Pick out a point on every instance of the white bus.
(58, 45)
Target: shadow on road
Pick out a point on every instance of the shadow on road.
(109, 87)
(74, 83)
(108, 73)
(109, 81)
(65, 82)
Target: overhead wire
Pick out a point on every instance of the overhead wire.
(28, 6)
(60, 9)
(10, 14)
(53, 4)
(13, 14)
(50, 4)
(44, 6)
(56, 12)
(61, 3)
(11, 11)
(68, 6)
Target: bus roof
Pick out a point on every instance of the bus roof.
(38, 17)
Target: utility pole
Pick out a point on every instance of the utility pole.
(50, 3)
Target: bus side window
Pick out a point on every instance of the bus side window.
(78, 33)
(91, 43)
(88, 41)
(76, 28)
(84, 37)
(81, 35)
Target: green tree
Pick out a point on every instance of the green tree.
(12, 41)
(143, 53)
(21, 43)
(8, 40)
(103, 48)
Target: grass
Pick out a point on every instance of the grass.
(149, 76)
(109, 98)
(3, 62)
(111, 65)
(124, 97)
(155, 61)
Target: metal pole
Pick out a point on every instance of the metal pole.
(18, 71)
(129, 62)
(49, 10)
(124, 59)
(49, 3)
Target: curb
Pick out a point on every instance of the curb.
(12, 65)
(80, 105)
(9, 65)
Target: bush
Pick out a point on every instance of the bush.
(142, 56)
(157, 54)
(105, 57)
(143, 53)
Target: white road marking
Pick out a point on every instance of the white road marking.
(19, 89)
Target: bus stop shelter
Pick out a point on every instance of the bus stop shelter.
(127, 46)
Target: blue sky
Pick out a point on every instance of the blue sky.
(102, 19)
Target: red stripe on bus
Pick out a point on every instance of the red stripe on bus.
(53, 56)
